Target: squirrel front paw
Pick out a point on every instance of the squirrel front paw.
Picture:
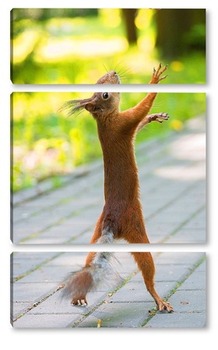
(157, 74)
(159, 117)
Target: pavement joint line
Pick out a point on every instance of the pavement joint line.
(185, 166)
(173, 233)
(60, 202)
(154, 312)
(36, 303)
(74, 175)
(181, 194)
(70, 240)
(63, 201)
(57, 223)
(36, 267)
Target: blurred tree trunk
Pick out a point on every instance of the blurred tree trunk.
(173, 28)
(131, 30)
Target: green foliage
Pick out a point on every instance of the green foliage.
(76, 48)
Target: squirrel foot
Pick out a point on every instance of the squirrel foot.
(164, 306)
(79, 301)
(156, 77)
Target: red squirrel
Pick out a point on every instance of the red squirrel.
(122, 213)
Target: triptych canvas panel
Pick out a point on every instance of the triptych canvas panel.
(105, 159)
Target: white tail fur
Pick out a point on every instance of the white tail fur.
(101, 265)
(90, 277)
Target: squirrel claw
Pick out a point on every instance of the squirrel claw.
(165, 306)
(156, 77)
(79, 302)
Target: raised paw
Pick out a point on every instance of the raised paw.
(159, 117)
(157, 74)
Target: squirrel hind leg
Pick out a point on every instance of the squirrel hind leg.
(145, 263)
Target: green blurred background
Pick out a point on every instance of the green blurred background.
(50, 144)
(74, 46)
(77, 46)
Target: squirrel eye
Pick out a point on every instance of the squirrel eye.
(105, 95)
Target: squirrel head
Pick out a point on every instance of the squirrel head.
(100, 105)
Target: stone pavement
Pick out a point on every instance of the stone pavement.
(124, 302)
(172, 180)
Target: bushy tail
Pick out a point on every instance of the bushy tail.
(90, 277)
